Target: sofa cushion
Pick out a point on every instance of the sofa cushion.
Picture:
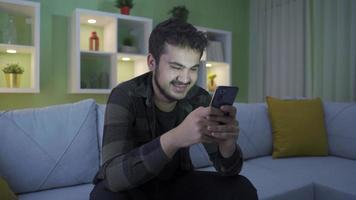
(333, 172)
(255, 138)
(323, 192)
(298, 168)
(336, 177)
(49, 147)
(298, 127)
(341, 126)
(270, 186)
(295, 178)
(309, 168)
(79, 192)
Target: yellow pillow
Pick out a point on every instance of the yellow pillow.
(5, 191)
(298, 127)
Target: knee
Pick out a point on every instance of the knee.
(245, 181)
(246, 188)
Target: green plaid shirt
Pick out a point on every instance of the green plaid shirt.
(132, 153)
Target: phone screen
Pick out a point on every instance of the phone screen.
(224, 95)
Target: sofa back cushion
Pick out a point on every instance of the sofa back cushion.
(340, 120)
(101, 117)
(255, 137)
(49, 147)
(199, 156)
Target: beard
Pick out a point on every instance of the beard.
(165, 93)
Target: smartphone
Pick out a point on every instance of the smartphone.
(224, 95)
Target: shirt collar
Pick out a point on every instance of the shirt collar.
(145, 89)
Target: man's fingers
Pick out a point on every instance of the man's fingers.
(211, 139)
(222, 119)
(223, 135)
(223, 131)
(225, 115)
(215, 111)
(205, 123)
(212, 123)
(223, 128)
(207, 111)
(231, 110)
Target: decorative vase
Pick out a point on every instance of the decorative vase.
(125, 10)
(211, 83)
(12, 80)
(94, 42)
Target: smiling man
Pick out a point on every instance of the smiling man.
(152, 120)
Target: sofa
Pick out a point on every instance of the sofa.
(54, 153)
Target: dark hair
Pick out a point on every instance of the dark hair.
(175, 32)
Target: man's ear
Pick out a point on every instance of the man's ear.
(151, 62)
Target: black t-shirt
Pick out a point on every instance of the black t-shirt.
(165, 122)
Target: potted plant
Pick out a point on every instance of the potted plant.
(125, 6)
(128, 45)
(12, 75)
(180, 12)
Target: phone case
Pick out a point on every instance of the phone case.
(224, 95)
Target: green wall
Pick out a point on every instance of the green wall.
(231, 15)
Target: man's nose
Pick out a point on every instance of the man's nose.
(184, 76)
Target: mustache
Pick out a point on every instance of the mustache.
(175, 82)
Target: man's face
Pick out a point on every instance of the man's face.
(176, 73)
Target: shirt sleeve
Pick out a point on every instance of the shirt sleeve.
(225, 166)
(127, 164)
(229, 166)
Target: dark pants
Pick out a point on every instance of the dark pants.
(193, 185)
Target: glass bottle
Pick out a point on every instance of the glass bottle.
(94, 42)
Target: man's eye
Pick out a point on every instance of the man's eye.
(175, 67)
(194, 69)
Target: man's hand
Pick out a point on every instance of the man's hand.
(204, 125)
(194, 127)
(225, 130)
(191, 131)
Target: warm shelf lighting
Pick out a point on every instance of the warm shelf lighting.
(209, 65)
(125, 59)
(11, 51)
(91, 21)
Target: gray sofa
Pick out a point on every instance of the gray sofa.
(54, 153)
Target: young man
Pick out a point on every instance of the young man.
(151, 121)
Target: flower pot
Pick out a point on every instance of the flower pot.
(12, 80)
(125, 10)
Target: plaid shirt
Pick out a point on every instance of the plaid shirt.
(132, 153)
